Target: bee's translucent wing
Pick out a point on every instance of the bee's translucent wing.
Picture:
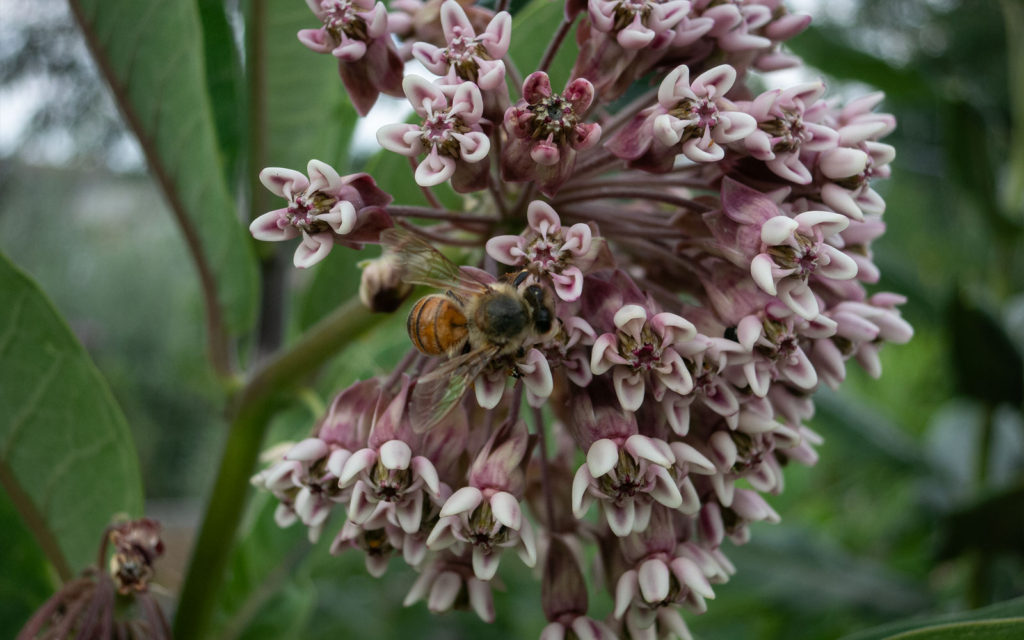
(423, 264)
(438, 392)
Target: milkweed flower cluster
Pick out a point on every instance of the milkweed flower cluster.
(706, 250)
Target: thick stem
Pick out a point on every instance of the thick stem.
(252, 413)
(545, 474)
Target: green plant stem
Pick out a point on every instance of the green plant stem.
(251, 414)
(981, 567)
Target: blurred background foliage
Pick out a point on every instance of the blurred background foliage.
(917, 504)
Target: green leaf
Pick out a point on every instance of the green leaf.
(66, 456)
(1009, 629)
(25, 581)
(1001, 618)
(335, 281)
(864, 430)
(992, 524)
(307, 112)
(532, 29)
(804, 571)
(223, 82)
(986, 363)
(151, 55)
(827, 48)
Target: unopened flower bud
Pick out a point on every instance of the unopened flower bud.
(381, 287)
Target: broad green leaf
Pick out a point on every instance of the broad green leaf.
(992, 524)
(1008, 629)
(864, 430)
(335, 281)
(224, 82)
(986, 363)
(25, 581)
(826, 48)
(532, 29)
(66, 455)
(994, 619)
(806, 572)
(307, 113)
(151, 55)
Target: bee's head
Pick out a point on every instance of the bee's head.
(542, 307)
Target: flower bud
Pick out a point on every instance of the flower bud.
(381, 287)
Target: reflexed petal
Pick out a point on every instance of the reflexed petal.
(506, 249)
(480, 599)
(602, 457)
(360, 461)
(434, 170)
(400, 138)
(474, 146)
(643, 448)
(620, 518)
(778, 230)
(629, 387)
(410, 512)
(580, 483)
(485, 563)
(465, 499)
(272, 227)
(625, 590)
(395, 454)
(675, 87)
(665, 490)
(282, 182)
(762, 271)
(444, 591)
(308, 450)
(454, 21)
(653, 580)
(506, 510)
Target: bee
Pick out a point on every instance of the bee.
(474, 324)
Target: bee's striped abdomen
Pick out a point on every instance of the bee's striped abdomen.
(436, 325)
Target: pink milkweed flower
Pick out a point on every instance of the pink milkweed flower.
(546, 130)
(356, 33)
(387, 471)
(486, 514)
(635, 24)
(707, 359)
(698, 114)
(376, 538)
(471, 57)
(449, 582)
(716, 521)
(546, 249)
(849, 171)
(788, 123)
(736, 24)
(621, 39)
(325, 209)
(642, 351)
(304, 477)
(450, 135)
(626, 479)
(794, 250)
(774, 351)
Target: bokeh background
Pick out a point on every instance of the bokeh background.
(917, 504)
